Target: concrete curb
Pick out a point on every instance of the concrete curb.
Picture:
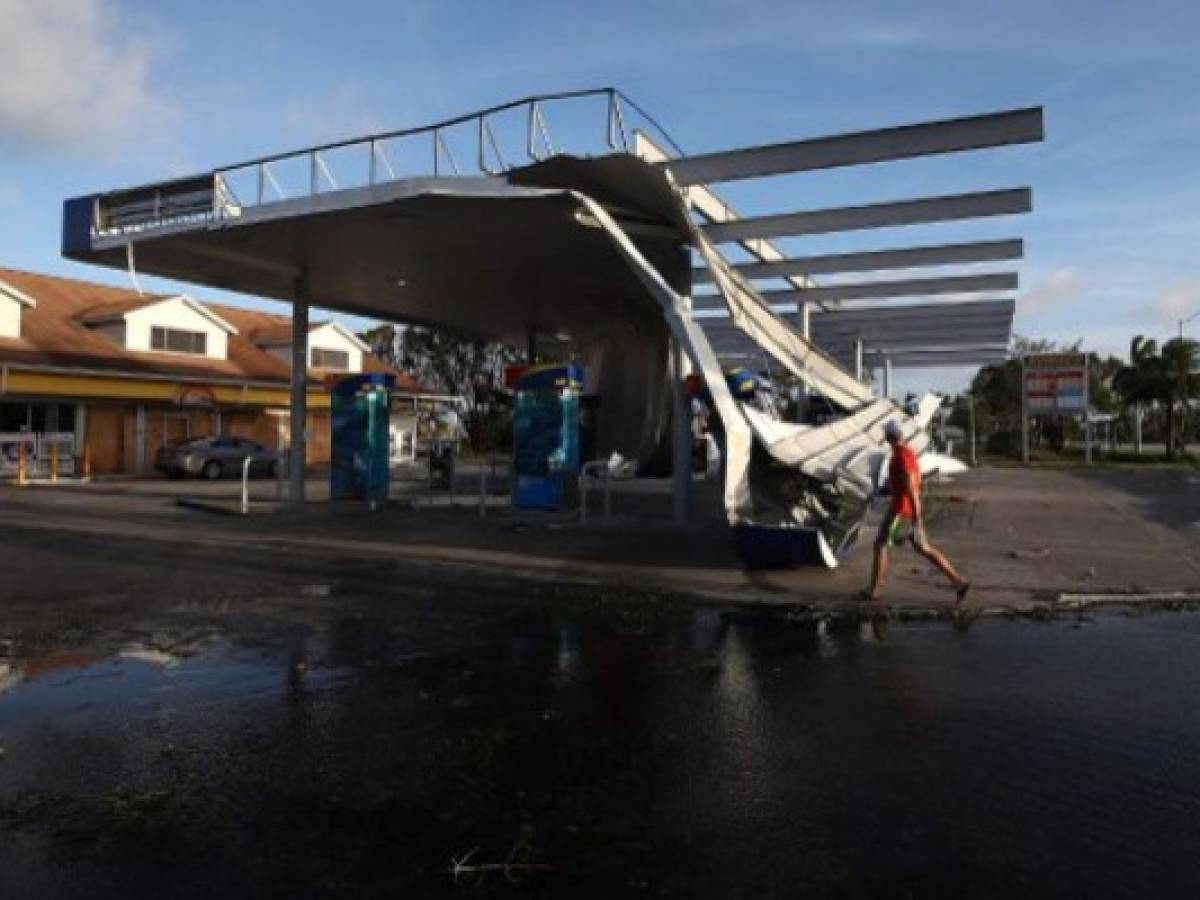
(227, 508)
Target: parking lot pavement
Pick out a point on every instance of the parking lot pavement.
(1022, 536)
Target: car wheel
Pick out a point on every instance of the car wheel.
(211, 470)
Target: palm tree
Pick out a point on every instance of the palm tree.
(1180, 383)
(1170, 377)
(1140, 382)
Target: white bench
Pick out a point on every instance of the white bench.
(616, 474)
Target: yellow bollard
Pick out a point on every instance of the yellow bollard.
(54, 463)
(21, 462)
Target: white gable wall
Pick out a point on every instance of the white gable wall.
(10, 317)
(326, 337)
(173, 313)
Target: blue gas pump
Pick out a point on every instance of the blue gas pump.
(359, 437)
(546, 434)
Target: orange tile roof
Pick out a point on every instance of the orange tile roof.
(54, 334)
(104, 312)
(279, 334)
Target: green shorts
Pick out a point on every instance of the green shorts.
(895, 528)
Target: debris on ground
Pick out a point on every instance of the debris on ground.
(1036, 553)
(513, 869)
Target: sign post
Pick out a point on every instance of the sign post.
(1087, 419)
(1024, 416)
(1055, 384)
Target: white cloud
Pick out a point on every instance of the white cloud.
(74, 77)
(1177, 302)
(1060, 287)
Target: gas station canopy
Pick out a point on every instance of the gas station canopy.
(497, 247)
(598, 247)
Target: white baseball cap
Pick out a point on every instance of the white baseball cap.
(891, 430)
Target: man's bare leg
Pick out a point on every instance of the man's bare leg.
(935, 556)
(878, 570)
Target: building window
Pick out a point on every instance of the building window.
(14, 417)
(329, 359)
(176, 340)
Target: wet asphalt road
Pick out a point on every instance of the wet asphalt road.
(341, 742)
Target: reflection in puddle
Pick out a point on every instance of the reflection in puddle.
(694, 756)
(10, 677)
(826, 646)
(150, 655)
(567, 660)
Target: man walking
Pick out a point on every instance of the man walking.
(904, 475)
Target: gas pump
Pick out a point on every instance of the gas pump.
(359, 437)
(546, 434)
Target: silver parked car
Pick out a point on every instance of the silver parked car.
(212, 457)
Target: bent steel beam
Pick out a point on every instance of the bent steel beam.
(827, 328)
(714, 209)
(839, 344)
(922, 210)
(753, 315)
(877, 260)
(913, 287)
(881, 290)
(922, 312)
(964, 357)
(1021, 126)
(889, 310)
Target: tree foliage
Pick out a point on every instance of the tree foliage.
(1167, 378)
(458, 364)
(996, 390)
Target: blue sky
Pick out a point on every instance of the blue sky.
(104, 93)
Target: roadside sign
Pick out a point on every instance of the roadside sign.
(1054, 384)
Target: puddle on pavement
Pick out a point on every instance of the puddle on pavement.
(715, 753)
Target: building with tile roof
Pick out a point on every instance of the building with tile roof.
(107, 376)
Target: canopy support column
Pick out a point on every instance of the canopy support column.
(887, 377)
(531, 347)
(681, 438)
(299, 389)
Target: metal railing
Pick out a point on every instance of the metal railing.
(487, 142)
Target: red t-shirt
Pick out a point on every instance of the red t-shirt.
(903, 460)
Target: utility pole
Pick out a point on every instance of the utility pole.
(1183, 322)
(298, 393)
(1024, 418)
(1087, 416)
(1182, 424)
